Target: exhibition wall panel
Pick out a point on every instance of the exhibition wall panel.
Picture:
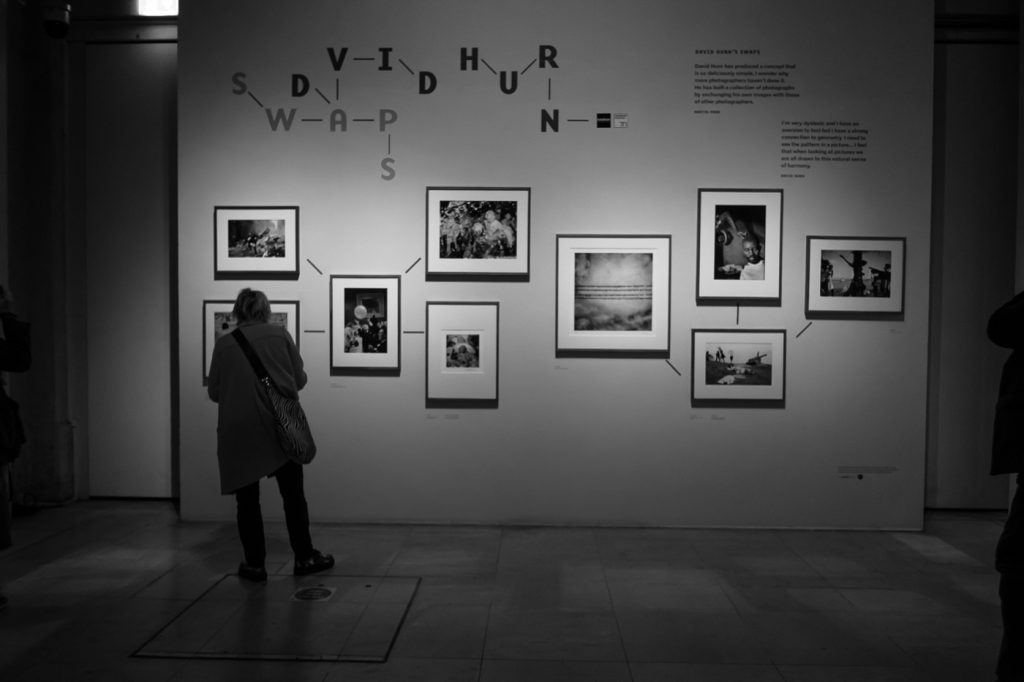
(615, 117)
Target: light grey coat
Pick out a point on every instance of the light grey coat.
(247, 448)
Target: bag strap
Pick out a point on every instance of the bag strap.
(254, 360)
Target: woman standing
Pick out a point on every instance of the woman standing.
(247, 448)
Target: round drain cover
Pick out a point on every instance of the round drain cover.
(313, 594)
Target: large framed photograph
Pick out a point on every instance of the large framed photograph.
(218, 320)
(366, 324)
(478, 233)
(738, 367)
(739, 246)
(612, 295)
(462, 353)
(256, 242)
(855, 277)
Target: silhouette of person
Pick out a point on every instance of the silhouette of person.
(15, 356)
(1006, 329)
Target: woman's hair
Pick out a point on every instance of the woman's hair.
(251, 306)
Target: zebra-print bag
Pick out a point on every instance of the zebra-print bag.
(290, 423)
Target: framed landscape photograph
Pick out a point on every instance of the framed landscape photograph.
(256, 242)
(738, 368)
(478, 233)
(739, 246)
(612, 295)
(366, 324)
(218, 320)
(462, 353)
(855, 277)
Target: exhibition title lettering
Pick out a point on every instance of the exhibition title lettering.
(338, 119)
(470, 60)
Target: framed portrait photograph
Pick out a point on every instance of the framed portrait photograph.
(366, 324)
(739, 246)
(855, 277)
(612, 295)
(738, 367)
(219, 320)
(462, 353)
(478, 233)
(256, 242)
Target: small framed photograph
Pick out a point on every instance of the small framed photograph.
(478, 233)
(256, 242)
(855, 277)
(739, 246)
(462, 353)
(366, 324)
(218, 320)
(736, 368)
(612, 295)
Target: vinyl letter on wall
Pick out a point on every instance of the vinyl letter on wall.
(337, 58)
(509, 83)
(339, 119)
(428, 82)
(280, 117)
(469, 56)
(387, 117)
(300, 85)
(548, 119)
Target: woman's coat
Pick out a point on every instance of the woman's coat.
(247, 448)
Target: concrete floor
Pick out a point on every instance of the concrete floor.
(92, 582)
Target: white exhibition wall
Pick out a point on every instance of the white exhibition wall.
(606, 440)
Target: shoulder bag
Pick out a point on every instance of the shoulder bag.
(292, 428)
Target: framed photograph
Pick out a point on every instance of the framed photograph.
(736, 368)
(855, 277)
(366, 324)
(218, 321)
(256, 242)
(462, 353)
(478, 233)
(612, 295)
(739, 246)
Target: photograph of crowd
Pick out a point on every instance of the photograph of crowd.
(224, 322)
(462, 351)
(856, 273)
(739, 242)
(744, 364)
(256, 238)
(613, 292)
(478, 229)
(366, 321)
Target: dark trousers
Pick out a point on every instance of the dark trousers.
(1010, 563)
(6, 499)
(296, 516)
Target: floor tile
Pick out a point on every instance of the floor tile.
(555, 671)
(553, 635)
(808, 673)
(674, 636)
(674, 672)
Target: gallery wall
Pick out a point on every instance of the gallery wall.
(588, 440)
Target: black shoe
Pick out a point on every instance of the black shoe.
(3, 602)
(256, 574)
(317, 561)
